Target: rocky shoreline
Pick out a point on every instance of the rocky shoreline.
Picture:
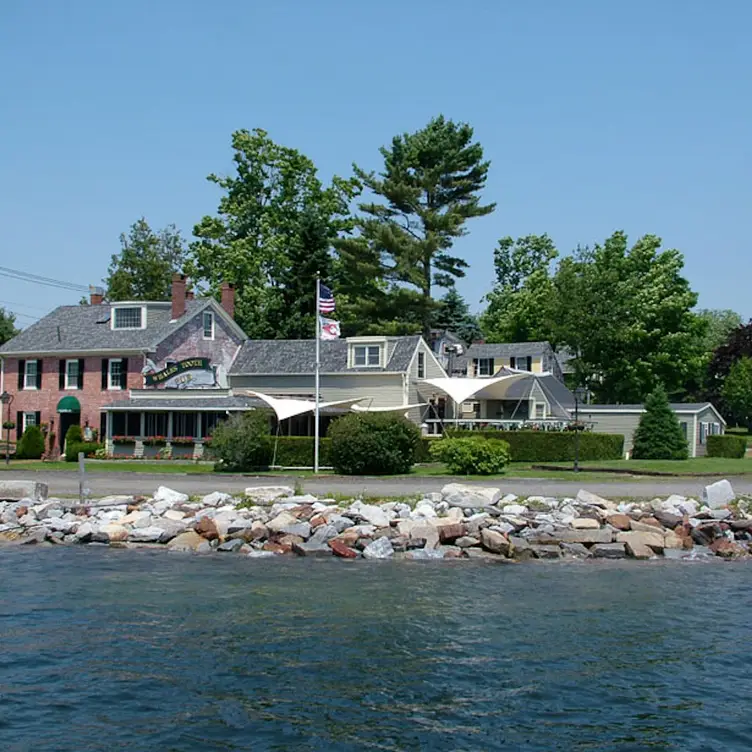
(460, 522)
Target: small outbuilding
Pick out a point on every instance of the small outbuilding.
(697, 419)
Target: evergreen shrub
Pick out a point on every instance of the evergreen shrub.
(659, 435)
(31, 445)
(242, 442)
(373, 444)
(727, 446)
(471, 456)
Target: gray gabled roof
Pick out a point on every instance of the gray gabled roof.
(507, 349)
(685, 407)
(83, 328)
(291, 356)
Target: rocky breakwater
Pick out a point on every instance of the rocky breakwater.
(460, 522)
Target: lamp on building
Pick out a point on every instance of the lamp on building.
(580, 394)
(7, 399)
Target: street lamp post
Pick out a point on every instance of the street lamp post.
(579, 396)
(7, 399)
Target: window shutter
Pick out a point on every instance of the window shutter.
(81, 364)
(491, 367)
(38, 416)
(39, 373)
(61, 375)
(529, 363)
(124, 373)
(19, 425)
(105, 363)
(512, 362)
(475, 366)
(21, 372)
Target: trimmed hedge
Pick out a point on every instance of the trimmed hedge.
(72, 449)
(552, 446)
(297, 451)
(727, 446)
(471, 457)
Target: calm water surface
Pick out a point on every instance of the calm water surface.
(131, 650)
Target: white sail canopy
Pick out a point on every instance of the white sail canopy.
(285, 407)
(462, 389)
(390, 409)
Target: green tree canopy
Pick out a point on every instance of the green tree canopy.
(453, 313)
(429, 188)
(659, 435)
(720, 323)
(273, 231)
(146, 263)
(7, 326)
(737, 392)
(519, 306)
(626, 314)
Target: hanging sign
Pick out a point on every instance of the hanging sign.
(184, 374)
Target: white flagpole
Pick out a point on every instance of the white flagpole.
(318, 368)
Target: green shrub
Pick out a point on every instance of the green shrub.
(659, 435)
(727, 446)
(373, 444)
(472, 457)
(243, 442)
(552, 446)
(423, 450)
(72, 448)
(297, 451)
(31, 445)
(74, 435)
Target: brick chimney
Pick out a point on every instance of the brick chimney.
(96, 295)
(228, 298)
(178, 296)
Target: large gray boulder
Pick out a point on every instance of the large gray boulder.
(373, 515)
(470, 497)
(267, 494)
(718, 494)
(163, 493)
(15, 490)
(381, 548)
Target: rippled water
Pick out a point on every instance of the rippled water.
(130, 650)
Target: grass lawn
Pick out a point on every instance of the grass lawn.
(590, 471)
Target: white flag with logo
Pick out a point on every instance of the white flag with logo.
(329, 328)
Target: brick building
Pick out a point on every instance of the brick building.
(75, 361)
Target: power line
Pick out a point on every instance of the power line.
(39, 280)
(23, 306)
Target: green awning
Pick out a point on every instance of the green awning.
(69, 405)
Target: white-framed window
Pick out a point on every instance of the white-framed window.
(29, 419)
(128, 317)
(539, 410)
(421, 365)
(208, 321)
(484, 367)
(115, 373)
(71, 374)
(31, 374)
(703, 432)
(367, 355)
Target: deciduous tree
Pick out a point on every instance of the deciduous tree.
(144, 267)
(7, 326)
(273, 230)
(737, 392)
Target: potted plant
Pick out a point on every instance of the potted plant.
(8, 425)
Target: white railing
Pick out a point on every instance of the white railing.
(436, 426)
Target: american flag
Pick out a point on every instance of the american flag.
(326, 299)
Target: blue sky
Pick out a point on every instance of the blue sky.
(596, 116)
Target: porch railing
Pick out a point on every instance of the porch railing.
(436, 426)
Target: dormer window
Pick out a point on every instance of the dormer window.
(208, 321)
(366, 355)
(128, 317)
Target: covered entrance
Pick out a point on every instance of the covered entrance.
(70, 415)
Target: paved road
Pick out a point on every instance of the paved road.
(101, 484)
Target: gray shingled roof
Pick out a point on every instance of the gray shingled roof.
(272, 356)
(70, 329)
(691, 407)
(228, 402)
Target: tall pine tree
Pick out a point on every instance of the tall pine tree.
(429, 187)
(453, 313)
